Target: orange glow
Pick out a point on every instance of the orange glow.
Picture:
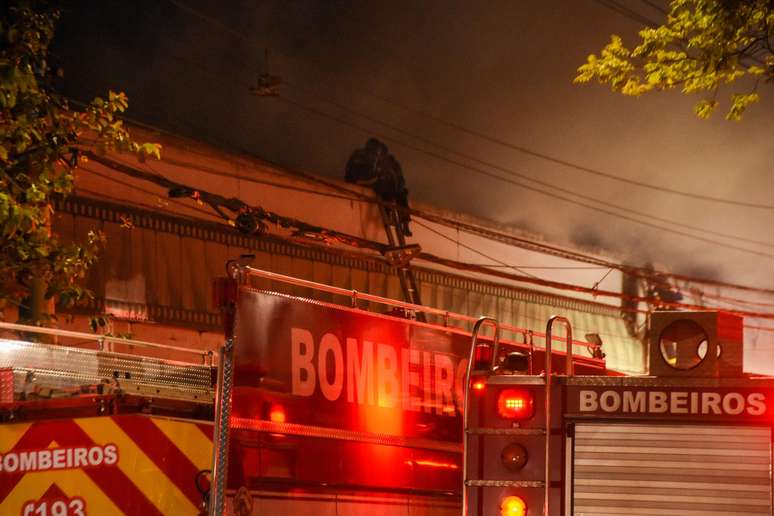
(277, 414)
(513, 506)
(432, 464)
(479, 385)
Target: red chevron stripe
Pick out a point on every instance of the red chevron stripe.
(111, 480)
(205, 429)
(163, 452)
(39, 435)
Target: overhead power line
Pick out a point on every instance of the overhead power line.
(655, 6)
(472, 229)
(594, 207)
(626, 11)
(537, 246)
(488, 233)
(216, 202)
(616, 6)
(472, 249)
(520, 175)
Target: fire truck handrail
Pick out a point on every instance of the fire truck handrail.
(358, 295)
(99, 338)
(549, 376)
(465, 401)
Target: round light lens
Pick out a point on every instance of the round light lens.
(513, 506)
(514, 457)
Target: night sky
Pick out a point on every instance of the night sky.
(501, 69)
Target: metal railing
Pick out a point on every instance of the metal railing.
(356, 296)
(101, 340)
(466, 396)
(549, 377)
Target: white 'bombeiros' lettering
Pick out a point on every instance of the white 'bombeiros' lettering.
(634, 401)
(710, 401)
(610, 401)
(756, 404)
(301, 356)
(330, 345)
(410, 379)
(376, 374)
(657, 402)
(588, 401)
(673, 402)
(58, 458)
(360, 378)
(387, 385)
(444, 383)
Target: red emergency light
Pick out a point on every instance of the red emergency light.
(277, 414)
(516, 404)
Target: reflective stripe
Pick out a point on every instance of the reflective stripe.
(638, 469)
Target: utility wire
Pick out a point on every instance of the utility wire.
(532, 245)
(489, 234)
(472, 249)
(475, 230)
(655, 6)
(550, 194)
(231, 204)
(497, 141)
(467, 228)
(140, 189)
(520, 175)
(627, 12)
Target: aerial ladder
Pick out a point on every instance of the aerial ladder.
(373, 166)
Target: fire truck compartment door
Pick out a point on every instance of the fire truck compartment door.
(662, 469)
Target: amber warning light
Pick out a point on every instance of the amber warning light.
(513, 506)
(515, 404)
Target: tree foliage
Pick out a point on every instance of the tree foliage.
(41, 137)
(704, 46)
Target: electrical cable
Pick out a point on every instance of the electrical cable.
(139, 189)
(479, 231)
(698, 280)
(500, 142)
(366, 244)
(525, 177)
(531, 188)
(655, 6)
(472, 249)
(627, 12)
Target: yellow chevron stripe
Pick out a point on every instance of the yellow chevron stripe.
(189, 439)
(73, 482)
(10, 435)
(141, 470)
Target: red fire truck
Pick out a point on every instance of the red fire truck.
(319, 408)
(693, 437)
(340, 410)
(96, 425)
(324, 407)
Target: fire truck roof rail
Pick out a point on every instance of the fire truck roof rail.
(100, 339)
(241, 271)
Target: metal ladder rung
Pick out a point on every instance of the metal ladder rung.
(505, 483)
(506, 431)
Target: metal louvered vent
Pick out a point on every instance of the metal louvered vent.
(671, 470)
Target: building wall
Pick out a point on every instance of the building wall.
(158, 268)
